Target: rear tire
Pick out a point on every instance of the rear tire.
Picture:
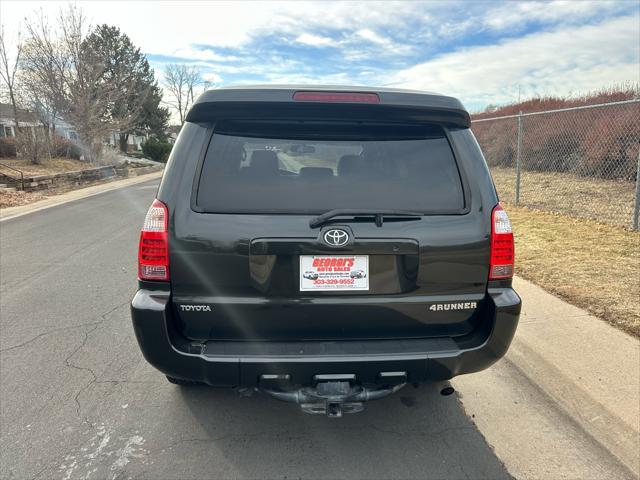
(180, 381)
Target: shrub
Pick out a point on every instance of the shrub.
(600, 142)
(7, 147)
(32, 145)
(156, 150)
(64, 148)
(498, 141)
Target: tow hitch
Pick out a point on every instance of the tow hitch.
(333, 397)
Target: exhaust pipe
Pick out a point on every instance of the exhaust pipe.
(445, 388)
(446, 391)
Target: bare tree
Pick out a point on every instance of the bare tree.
(30, 143)
(36, 97)
(65, 66)
(182, 84)
(9, 65)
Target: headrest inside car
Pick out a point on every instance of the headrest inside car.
(351, 165)
(316, 172)
(264, 162)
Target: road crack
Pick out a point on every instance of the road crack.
(94, 378)
(44, 334)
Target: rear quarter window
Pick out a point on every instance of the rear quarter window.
(312, 168)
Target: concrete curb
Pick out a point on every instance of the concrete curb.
(15, 212)
(589, 370)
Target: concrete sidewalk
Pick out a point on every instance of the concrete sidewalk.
(13, 212)
(578, 380)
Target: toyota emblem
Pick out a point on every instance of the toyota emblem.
(336, 237)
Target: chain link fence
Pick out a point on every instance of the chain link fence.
(581, 161)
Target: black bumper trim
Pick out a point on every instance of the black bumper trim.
(242, 364)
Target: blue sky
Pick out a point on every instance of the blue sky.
(482, 52)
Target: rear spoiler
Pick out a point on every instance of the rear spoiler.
(262, 104)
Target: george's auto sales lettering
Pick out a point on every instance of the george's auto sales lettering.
(342, 264)
(334, 272)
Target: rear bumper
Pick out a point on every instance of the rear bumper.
(243, 363)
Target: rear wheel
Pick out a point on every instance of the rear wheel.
(180, 381)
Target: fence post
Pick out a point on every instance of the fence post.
(636, 204)
(518, 154)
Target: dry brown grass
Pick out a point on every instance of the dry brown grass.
(47, 167)
(607, 201)
(594, 266)
(15, 199)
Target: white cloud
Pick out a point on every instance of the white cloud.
(373, 37)
(515, 14)
(212, 78)
(164, 27)
(559, 62)
(374, 45)
(316, 40)
(167, 27)
(204, 54)
(331, 79)
(238, 40)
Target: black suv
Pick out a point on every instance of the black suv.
(326, 246)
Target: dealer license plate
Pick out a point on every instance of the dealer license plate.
(334, 273)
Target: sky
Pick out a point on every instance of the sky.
(483, 52)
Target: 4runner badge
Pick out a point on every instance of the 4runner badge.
(195, 308)
(439, 307)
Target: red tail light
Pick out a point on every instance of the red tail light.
(337, 97)
(153, 251)
(502, 246)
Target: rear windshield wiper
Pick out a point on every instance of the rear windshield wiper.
(378, 214)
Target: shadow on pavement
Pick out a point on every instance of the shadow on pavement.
(415, 434)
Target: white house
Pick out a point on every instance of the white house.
(7, 120)
(134, 142)
(27, 119)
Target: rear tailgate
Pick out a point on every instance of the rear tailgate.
(421, 283)
(247, 265)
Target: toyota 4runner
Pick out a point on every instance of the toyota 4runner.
(326, 246)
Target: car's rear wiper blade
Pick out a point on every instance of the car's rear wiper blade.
(378, 214)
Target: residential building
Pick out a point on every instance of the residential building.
(30, 120)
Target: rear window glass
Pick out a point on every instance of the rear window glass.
(310, 169)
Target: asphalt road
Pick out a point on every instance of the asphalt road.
(79, 401)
